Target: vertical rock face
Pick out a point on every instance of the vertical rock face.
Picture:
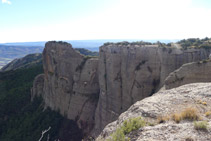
(70, 83)
(189, 73)
(131, 72)
(94, 92)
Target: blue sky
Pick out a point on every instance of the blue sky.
(41, 20)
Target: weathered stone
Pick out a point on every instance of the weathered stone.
(70, 83)
(130, 73)
(94, 92)
(189, 73)
(38, 86)
(166, 103)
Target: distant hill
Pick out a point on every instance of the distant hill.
(24, 62)
(33, 59)
(87, 52)
(92, 45)
(11, 51)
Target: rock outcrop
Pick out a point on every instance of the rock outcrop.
(38, 87)
(94, 92)
(164, 104)
(131, 72)
(189, 73)
(70, 83)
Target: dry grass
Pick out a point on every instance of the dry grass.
(163, 119)
(176, 117)
(208, 113)
(202, 102)
(190, 114)
(189, 139)
(187, 114)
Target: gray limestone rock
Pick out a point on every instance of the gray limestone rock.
(166, 103)
(189, 73)
(94, 92)
(131, 72)
(38, 87)
(70, 83)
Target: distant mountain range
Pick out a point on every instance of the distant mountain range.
(92, 45)
(11, 51)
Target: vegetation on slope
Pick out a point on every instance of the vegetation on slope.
(195, 43)
(87, 52)
(10, 52)
(20, 119)
(128, 126)
(25, 62)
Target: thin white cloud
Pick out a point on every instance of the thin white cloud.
(6, 1)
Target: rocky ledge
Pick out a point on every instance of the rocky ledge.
(189, 73)
(181, 114)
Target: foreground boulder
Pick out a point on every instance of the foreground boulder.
(166, 104)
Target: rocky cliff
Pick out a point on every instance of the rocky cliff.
(131, 72)
(70, 83)
(94, 92)
(189, 73)
(162, 112)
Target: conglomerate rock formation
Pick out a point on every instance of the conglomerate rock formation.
(95, 91)
(70, 83)
(131, 72)
(166, 103)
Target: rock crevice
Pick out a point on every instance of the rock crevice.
(95, 91)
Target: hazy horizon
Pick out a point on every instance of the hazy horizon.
(38, 20)
(115, 40)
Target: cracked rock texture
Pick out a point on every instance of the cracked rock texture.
(94, 92)
(38, 86)
(131, 72)
(189, 73)
(70, 83)
(166, 103)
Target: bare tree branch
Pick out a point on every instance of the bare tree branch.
(43, 132)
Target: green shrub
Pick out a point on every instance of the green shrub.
(201, 125)
(118, 135)
(127, 127)
(132, 124)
